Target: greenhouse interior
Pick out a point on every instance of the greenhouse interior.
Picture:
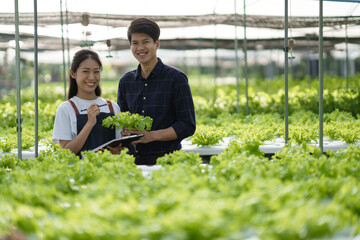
(276, 149)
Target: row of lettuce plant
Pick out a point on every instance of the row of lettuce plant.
(216, 118)
(241, 195)
(303, 128)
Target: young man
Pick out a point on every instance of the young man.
(157, 90)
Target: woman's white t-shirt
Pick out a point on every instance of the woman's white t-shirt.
(65, 127)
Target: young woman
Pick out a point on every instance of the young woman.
(78, 121)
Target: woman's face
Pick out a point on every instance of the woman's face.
(87, 78)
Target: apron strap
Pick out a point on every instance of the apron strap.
(74, 106)
(110, 106)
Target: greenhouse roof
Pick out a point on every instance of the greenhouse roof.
(180, 40)
(185, 25)
(113, 20)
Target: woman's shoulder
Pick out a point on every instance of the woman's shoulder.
(64, 108)
(64, 104)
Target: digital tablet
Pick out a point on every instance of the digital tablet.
(116, 141)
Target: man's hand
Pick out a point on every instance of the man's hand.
(167, 134)
(148, 135)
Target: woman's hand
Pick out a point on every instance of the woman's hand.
(115, 150)
(126, 132)
(92, 111)
(78, 142)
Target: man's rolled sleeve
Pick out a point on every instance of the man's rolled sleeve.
(184, 129)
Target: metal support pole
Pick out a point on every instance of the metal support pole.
(215, 64)
(236, 60)
(308, 72)
(245, 62)
(347, 57)
(18, 82)
(286, 49)
(321, 76)
(184, 59)
(67, 36)
(199, 67)
(36, 79)
(63, 48)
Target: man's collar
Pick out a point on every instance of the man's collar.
(155, 72)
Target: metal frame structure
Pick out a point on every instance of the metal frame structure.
(274, 22)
